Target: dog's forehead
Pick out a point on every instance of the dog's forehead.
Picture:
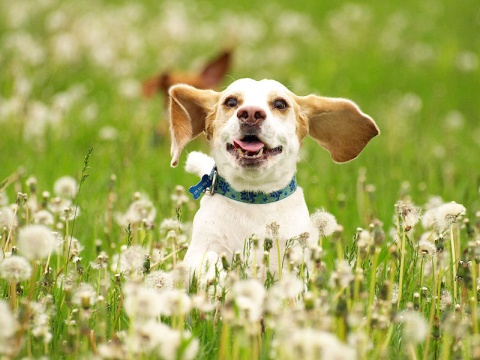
(257, 89)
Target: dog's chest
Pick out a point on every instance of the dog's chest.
(225, 224)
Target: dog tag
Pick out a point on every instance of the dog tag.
(197, 190)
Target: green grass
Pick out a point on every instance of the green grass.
(414, 67)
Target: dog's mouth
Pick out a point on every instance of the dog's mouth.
(251, 151)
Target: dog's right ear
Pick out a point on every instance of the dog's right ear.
(189, 109)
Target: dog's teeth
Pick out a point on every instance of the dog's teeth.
(258, 154)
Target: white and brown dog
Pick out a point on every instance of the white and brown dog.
(256, 129)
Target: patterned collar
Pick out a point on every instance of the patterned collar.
(215, 184)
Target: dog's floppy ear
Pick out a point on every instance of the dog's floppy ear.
(214, 71)
(189, 109)
(338, 125)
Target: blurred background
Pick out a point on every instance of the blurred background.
(72, 73)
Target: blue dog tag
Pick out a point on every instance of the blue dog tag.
(197, 190)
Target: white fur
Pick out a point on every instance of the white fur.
(221, 225)
(199, 163)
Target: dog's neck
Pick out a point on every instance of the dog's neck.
(215, 184)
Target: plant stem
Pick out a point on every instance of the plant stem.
(373, 280)
(402, 265)
(453, 263)
(280, 260)
(474, 300)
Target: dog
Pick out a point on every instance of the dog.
(209, 77)
(212, 73)
(256, 129)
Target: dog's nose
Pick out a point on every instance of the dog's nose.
(251, 115)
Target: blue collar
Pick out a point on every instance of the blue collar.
(215, 184)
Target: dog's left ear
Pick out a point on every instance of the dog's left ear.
(338, 125)
(189, 109)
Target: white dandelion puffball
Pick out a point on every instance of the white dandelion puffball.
(35, 242)
(324, 222)
(249, 296)
(8, 321)
(142, 303)
(15, 269)
(415, 327)
(448, 214)
(8, 218)
(65, 187)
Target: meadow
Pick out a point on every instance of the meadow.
(94, 222)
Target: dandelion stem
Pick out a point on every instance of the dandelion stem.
(224, 351)
(411, 351)
(433, 306)
(356, 285)
(373, 280)
(402, 265)
(474, 300)
(13, 295)
(280, 260)
(454, 261)
(9, 237)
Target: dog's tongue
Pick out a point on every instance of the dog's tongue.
(251, 146)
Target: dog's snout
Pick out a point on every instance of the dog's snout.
(251, 115)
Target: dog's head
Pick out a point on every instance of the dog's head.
(256, 128)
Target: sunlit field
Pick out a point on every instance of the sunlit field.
(94, 223)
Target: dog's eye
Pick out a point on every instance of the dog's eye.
(231, 102)
(280, 104)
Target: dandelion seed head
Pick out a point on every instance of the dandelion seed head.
(180, 197)
(40, 324)
(427, 249)
(273, 229)
(448, 214)
(113, 349)
(415, 327)
(159, 280)
(35, 242)
(290, 285)
(394, 293)
(296, 255)
(130, 260)
(8, 218)
(8, 321)
(108, 133)
(69, 213)
(139, 212)
(324, 222)
(101, 262)
(410, 214)
(57, 205)
(84, 296)
(15, 268)
(141, 303)
(446, 300)
(43, 217)
(308, 343)
(343, 275)
(65, 187)
(249, 296)
(429, 219)
(175, 302)
(3, 198)
(74, 246)
(201, 302)
(467, 61)
(365, 239)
